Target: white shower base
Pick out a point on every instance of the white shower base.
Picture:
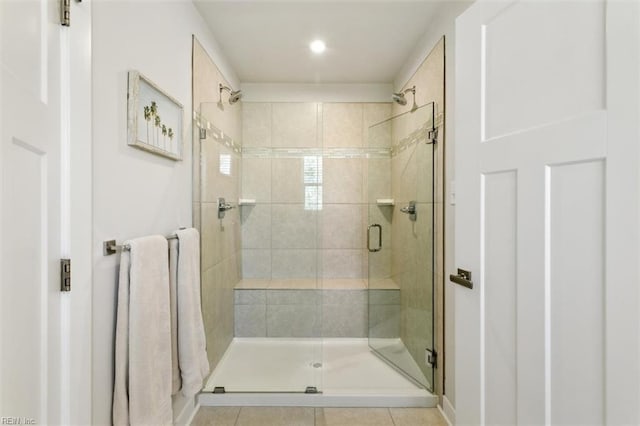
(276, 372)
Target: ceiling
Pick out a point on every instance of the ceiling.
(268, 41)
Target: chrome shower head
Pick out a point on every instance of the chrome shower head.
(234, 95)
(401, 99)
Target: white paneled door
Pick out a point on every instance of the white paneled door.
(36, 320)
(547, 212)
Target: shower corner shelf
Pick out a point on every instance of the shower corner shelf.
(385, 202)
(246, 202)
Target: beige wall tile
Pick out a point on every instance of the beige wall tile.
(220, 240)
(292, 263)
(208, 314)
(341, 263)
(380, 135)
(374, 113)
(344, 320)
(294, 125)
(211, 239)
(250, 320)
(377, 179)
(404, 172)
(293, 227)
(204, 72)
(220, 172)
(256, 124)
(343, 180)
(378, 264)
(342, 125)
(256, 179)
(342, 226)
(425, 164)
(256, 226)
(256, 263)
(287, 184)
(382, 215)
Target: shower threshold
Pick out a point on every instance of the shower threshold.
(278, 371)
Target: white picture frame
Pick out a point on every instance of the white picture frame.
(155, 119)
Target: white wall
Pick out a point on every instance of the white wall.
(443, 23)
(136, 193)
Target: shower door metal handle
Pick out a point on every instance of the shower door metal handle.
(375, 225)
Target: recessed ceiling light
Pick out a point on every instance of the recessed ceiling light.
(317, 46)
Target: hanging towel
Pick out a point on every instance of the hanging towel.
(173, 283)
(192, 353)
(142, 389)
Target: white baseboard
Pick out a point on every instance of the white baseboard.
(447, 410)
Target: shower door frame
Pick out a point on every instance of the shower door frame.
(429, 137)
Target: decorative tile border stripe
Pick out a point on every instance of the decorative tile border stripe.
(255, 152)
(224, 139)
(419, 135)
(217, 134)
(422, 134)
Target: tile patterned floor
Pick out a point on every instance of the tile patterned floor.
(307, 416)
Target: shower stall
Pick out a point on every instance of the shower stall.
(317, 227)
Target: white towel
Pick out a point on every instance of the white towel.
(142, 389)
(192, 353)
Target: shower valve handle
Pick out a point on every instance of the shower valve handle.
(223, 206)
(410, 210)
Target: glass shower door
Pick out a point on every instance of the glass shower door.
(401, 242)
(261, 300)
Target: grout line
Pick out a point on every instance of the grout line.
(391, 415)
(237, 417)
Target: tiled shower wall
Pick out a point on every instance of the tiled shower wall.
(305, 165)
(216, 173)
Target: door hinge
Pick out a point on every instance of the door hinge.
(219, 389)
(65, 13)
(431, 358)
(432, 136)
(203, 133)
(65, 274)
(311, 389)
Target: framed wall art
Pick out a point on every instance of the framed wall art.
(155, 120)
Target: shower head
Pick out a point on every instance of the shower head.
(234, 95)
(401, 99)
